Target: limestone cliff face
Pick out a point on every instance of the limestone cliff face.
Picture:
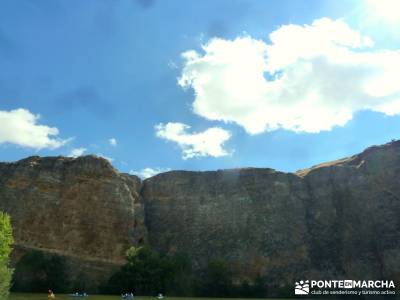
(339, 219)
(82, 209)
(253, 218)
(353, 213)
(335, 220)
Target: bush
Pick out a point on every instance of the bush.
(6, 242)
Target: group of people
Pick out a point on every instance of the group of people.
(76, 294)
(125, 296)
(51, 295)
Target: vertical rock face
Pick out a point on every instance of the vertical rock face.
(252, 218)
(335, 220)
(353, 213)
(81, 208)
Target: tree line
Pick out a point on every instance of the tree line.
(149, 273)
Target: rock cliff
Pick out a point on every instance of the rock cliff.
(334, 220)
(81, 209)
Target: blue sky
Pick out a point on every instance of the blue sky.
(109, 69)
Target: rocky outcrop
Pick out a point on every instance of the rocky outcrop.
(81, 209)
(339, 219)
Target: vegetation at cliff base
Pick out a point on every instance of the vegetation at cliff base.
(149, 273)
(37, 272)
(6, 242)
(217, 279)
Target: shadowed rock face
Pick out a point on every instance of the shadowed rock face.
(353, 213)
(335, 220)
(253, 218)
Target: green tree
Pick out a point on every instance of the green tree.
(6, 242)
(182, 280)
(148, 273)
(218, 279)
(145, 273)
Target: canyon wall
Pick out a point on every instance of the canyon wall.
(335, 220)
(81, 209)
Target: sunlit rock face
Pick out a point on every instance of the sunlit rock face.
(336, 220)
(82, 209)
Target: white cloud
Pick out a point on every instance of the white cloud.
(308, 78)
(77, 152)
(385, 10)
(113, 142)
(20, 127)
(207, 143)
(148, 172)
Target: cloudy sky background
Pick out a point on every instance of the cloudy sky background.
(198, 85)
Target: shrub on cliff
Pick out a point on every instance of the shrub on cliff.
(6, 241)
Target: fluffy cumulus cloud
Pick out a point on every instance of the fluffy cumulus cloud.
(207, 143)
(308, 78)
(112, 142)
(148, 172)
(20, 127)
(76, 152)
